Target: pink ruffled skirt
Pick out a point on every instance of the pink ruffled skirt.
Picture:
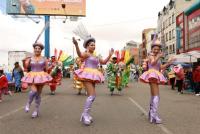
(36, 78)
(89, 74)
(153, 76)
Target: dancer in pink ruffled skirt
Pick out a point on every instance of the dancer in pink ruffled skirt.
(89, 74)
(36, 78)
(154, 77)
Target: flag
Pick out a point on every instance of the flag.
(55, 53)
(68, 61)
(60, 53)
(63, 57)
(122, 55)
(127, 56)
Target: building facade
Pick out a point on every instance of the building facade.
(192, 27)
(145, 48)
(132, 46)
(150, 35)
(166, 27)
(140, 53)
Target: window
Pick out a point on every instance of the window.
(170, 49)
(173, 34)
(169, 21)
(166, 35)
(167, 50)
(166, 23)
(173, 18)
(173, 48)
(169, 35)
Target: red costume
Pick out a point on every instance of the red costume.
(56, 73)
(3, 85)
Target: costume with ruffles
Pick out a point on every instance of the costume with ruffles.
(37, 75)
(90, 71)
(153, 74)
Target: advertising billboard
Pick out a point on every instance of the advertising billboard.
(47, 7)
(3, 6)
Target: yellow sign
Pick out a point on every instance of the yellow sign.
(47, 7)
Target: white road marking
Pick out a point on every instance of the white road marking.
(17, 110)
(161, 126)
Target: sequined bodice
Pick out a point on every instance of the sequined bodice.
(156, 66)
(37, 66)
(92, 62)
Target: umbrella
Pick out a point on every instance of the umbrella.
(195, 54)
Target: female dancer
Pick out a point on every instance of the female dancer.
(36, 78)
(89, 74)
(154, 77)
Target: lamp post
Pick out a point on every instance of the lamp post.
(47, 37)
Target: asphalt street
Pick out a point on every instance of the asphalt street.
(117, 114)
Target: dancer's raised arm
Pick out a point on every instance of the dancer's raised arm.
(107, 59)
(81, 55)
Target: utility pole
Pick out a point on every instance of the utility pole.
(47, 37)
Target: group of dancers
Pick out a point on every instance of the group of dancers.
(89, 75)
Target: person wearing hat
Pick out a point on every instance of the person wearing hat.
(114, 76)
(36, 78)
(89, 74)
(56, 74)
(154, 77)
(17, 74)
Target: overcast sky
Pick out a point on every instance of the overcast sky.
(111, 22)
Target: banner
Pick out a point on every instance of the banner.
(47, 7)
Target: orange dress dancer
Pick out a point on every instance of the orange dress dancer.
(77, 83)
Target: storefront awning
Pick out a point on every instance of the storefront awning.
(192, 8)
(188, 57)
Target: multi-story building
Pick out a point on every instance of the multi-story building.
(147, 37)
(166, 27)
(140, 54)
(150, 35)
(132, 46)
(188, 29)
